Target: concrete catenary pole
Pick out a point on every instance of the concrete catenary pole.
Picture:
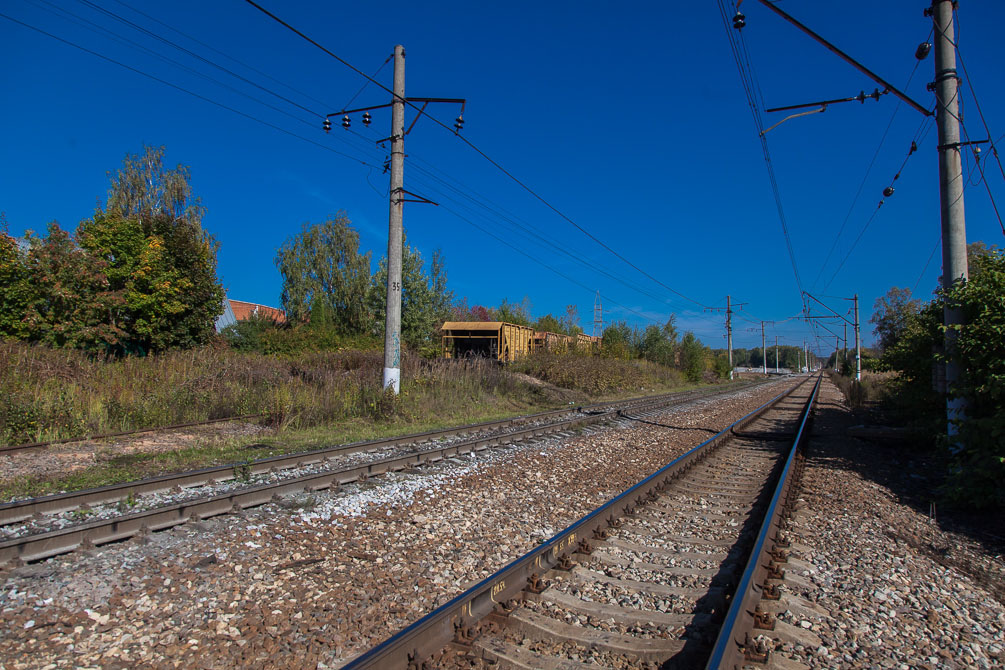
(776, 354)
(858, 345)
(392, 320)
(729, 334)
(837, 354)
(954, 229)
(764, 353)
(844, 354)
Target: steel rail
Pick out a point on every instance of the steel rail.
(453, 620)
(17, 511)
(734, 646)
(85, 535)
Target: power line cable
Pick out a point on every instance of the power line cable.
(217, 51)
(477, 150)
(868, 171)
(748, 79)
(499, 214)
(541, 240)
(540, 262)
(366, 83)
(886, 193)
(193, 54)
(502, 215)
(938, 243)
(183, 90)
(99, 29)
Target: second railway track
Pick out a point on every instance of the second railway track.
(42, 534)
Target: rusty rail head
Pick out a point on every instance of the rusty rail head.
(431, 633)
(737, 644)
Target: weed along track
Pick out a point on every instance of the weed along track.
(42, 527)
(646, 580)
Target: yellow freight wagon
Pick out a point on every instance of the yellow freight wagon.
(502, 341)
(553, 342)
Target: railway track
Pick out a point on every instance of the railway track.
(669, 574)
(42, 527)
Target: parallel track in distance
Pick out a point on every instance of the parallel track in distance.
(41, 545)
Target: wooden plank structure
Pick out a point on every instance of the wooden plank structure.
(505, 342)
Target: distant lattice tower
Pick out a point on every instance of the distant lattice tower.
(598, 317)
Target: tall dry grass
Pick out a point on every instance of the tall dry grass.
(597, 375)
(874, 387)
(49, 394)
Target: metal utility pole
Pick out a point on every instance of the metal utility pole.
(598, 317)
(776, 354)
(392, 319)
(858, 346)
(764, 353)
(954, 229)
(729, 334)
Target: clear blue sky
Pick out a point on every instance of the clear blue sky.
(630, 119)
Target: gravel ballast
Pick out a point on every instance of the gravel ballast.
(317, 578)
(873, 582)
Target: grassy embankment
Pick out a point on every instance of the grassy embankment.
(312, 400)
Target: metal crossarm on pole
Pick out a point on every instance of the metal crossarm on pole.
(887, 86)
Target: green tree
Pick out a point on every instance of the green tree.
(980, 350)
(322, 269)
(570, 322)
(15, 286)
(618, 341)
(513, 312)
(549, 324)
(70, 300)
(159, 261)
(425, 300)
(659, 344)
(890, 315)
(693, 355)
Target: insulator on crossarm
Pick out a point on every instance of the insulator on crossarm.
(459, 124)
(739, 20)
(346, 122)
(977, 154)
(327, 125)
(366, 119)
